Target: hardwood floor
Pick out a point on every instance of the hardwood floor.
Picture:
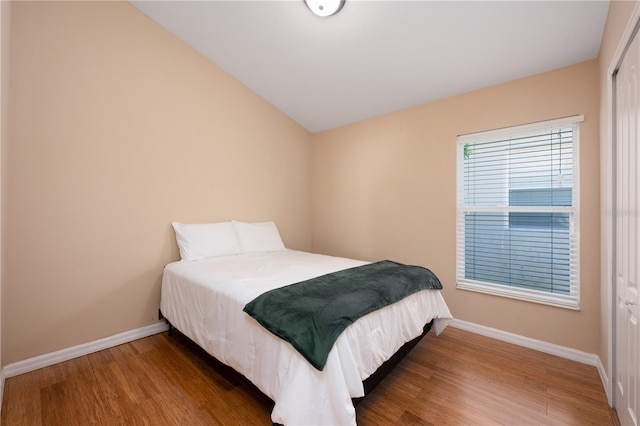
(457, 378)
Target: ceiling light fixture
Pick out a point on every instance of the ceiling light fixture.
(324, 7)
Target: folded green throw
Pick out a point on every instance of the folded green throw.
(311, 314)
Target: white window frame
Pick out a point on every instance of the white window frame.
(570, 301)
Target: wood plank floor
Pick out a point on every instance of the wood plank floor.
(457, 378)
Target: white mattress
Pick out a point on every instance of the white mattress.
(204, 300)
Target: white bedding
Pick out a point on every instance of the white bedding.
(204, 300)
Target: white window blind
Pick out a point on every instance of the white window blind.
(518, 212)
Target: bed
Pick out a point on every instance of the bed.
(204, 298)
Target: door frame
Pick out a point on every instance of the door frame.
(608, 203)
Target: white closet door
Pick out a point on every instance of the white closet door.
(627, 380)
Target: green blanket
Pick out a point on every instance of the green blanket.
(311, 314)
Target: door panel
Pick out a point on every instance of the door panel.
(626, 223)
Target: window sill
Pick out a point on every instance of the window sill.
(534, 296)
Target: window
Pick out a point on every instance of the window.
(538, 197)
(517, 231)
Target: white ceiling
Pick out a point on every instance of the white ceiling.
(376, 57)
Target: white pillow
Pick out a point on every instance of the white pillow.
(254, 237)
(204, 240)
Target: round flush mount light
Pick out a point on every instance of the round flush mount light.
(324, 7)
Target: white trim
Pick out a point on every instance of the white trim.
(606, 199)
(605, 381)
(624, 42)
(491, 134)
(538, 345)
(1, 387)
(524, 294)
(527, 342)
(62, 355)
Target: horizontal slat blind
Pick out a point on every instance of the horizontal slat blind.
(517, 231)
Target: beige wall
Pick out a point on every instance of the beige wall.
(618, 21)
(116, 129)
(386, 188)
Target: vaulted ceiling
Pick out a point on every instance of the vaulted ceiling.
(376, 57)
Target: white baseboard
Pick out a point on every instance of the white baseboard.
(527, 342)
(605, 381)
(62, 355)
(1, 388)
(539, 345)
